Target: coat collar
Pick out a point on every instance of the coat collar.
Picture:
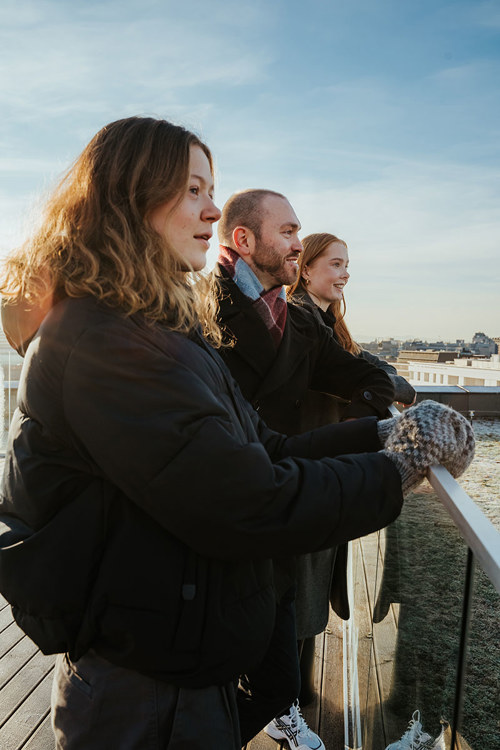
(301, 297)
(253, 341)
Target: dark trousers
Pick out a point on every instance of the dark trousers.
(272, 688)
(100, 706)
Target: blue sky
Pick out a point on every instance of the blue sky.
(380, 120)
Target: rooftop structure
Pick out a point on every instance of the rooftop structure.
(459, 371)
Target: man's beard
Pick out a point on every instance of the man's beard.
(270, 261)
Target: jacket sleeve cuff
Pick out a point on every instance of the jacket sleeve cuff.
(359, 409)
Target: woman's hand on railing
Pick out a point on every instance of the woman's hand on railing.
(427, 434)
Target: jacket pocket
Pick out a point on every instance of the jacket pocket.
(47, 574)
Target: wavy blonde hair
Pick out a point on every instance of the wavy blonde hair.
(315, 245)
(95, 237)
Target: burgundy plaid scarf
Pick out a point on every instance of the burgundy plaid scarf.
(270, 305)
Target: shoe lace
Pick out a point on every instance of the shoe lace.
(297, 721)
(414, 738)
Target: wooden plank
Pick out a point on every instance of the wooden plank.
(385, 632)
(28, 717)
(42, 739)
(9, 637)
(330, 720)
(5, 618)
(23, 684)
(15, 659)
(311, 712)
(366, 573)
(263, 742)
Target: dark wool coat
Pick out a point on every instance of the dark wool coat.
(143, 497)
(278, 384)
(276, 381)
(403, 391)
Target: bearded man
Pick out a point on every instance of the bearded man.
(281, 351)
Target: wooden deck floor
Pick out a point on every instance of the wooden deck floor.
(26, 679)
(325, 714)
(25, 684)
(26, 675)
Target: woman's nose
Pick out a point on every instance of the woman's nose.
(212, 213)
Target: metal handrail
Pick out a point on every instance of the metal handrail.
(476, 529)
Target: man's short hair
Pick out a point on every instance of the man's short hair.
(244, 208)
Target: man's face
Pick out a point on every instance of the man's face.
(274, 257)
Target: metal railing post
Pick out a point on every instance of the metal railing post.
(462, 655)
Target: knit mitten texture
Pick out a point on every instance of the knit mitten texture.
(427, 434)
(385, 428)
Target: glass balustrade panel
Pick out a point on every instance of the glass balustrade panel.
(414, 573)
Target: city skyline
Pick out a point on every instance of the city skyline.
(379, 121)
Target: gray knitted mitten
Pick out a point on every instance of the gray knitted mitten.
(427, 434)
(385, 428)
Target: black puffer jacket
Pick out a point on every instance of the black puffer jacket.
(143, 497)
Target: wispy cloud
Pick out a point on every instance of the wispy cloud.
(423, 245)
(379, 122)
(58, 59)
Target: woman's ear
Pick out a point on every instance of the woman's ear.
(304, 274)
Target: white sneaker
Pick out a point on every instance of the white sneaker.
(293, 728)
(414, 738)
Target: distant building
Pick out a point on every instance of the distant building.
(461, 371)
(406, 356)
(440, 346)
(384, 348)
(427, 355)
(483, 345)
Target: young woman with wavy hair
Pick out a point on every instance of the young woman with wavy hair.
(96, 236)
(143, 497)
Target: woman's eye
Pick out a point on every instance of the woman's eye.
(195, 190)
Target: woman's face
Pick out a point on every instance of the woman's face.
(187, 225)
(326, 277)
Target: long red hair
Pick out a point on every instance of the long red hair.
(315, 245)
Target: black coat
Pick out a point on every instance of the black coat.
(276, 381)
(403, 391)
(143, 497)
